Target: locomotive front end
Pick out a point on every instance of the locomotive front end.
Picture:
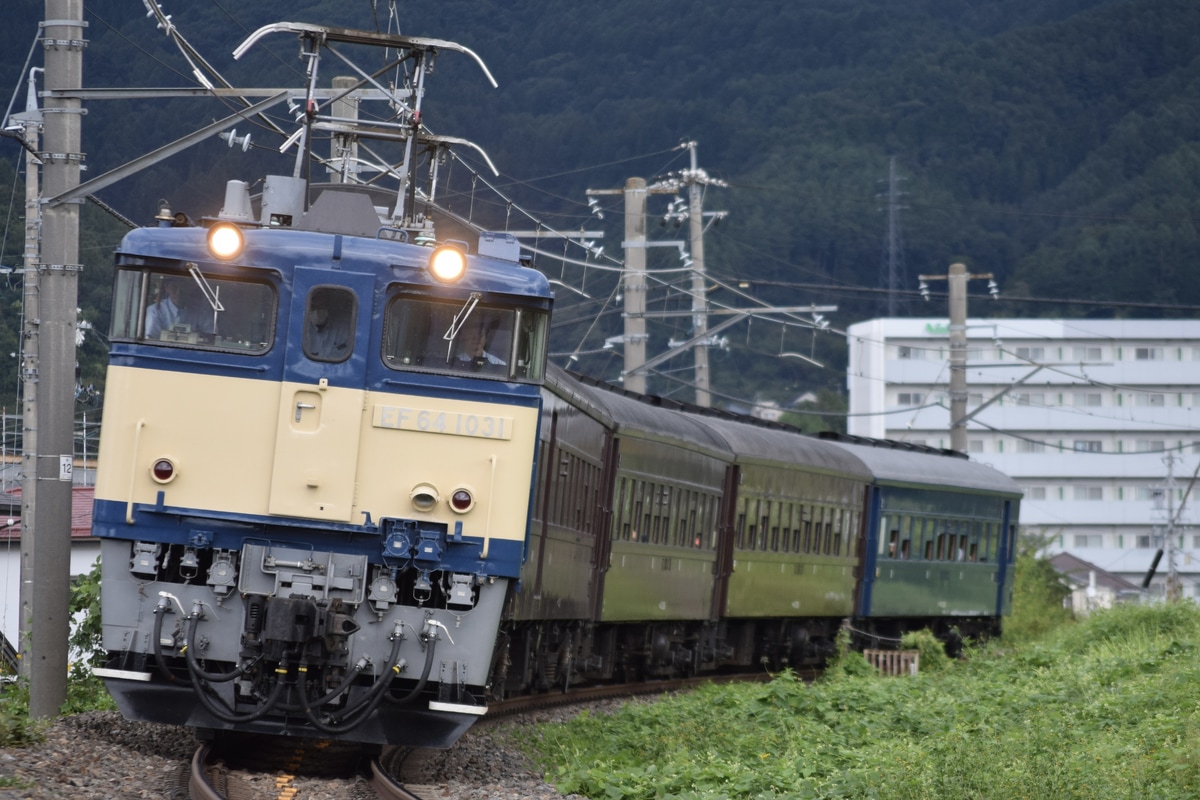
(314, 482)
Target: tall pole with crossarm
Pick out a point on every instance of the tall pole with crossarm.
(956, 282)
(46, 527)
(635, 336)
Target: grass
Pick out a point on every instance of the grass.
(85, 692)
(1108, 708)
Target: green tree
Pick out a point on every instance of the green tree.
(1039, 593)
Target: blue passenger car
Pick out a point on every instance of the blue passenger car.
(940, 541)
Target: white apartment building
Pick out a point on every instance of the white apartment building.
(1097, 420)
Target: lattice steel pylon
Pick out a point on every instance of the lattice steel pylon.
(892, 272)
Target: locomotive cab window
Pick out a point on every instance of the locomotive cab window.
(193, 309)
(329, 318)
(468, 337)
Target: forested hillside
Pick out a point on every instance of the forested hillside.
(1053, 143)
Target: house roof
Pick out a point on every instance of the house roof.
(1079, 573)
(81, 513)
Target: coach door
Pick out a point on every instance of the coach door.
(723, 564)
(611, 459)
(321, 398)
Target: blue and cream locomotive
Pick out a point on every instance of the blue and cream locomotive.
(309, 477)
(316, 460)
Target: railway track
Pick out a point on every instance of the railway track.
(243, 767)
(211, 778)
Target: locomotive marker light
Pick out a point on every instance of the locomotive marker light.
(163, 470)
(462, 500)
(447, 264)
(225, 240)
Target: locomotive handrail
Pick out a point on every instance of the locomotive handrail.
(393, 234)
(487, 522)
(137, 441)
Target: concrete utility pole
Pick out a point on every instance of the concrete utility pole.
(634, 278)
(696, 179)
(635, 244)
(957, 284)
(31, 122)
(635, 282)
(46, 525)
(957, 281)
(1173, 587)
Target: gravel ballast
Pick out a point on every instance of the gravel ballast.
(102, 756)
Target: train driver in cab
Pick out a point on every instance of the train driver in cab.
(179, 307)
(476, 339)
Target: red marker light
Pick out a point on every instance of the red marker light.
(461, 501)
(163, 470)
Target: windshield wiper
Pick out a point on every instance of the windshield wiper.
(205, 289)
(460, 318)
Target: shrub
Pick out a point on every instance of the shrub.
(1038, 594)
(845, 661)
(85, 692)
(928, 647)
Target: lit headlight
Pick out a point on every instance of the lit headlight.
(447, 264)
(225, 240)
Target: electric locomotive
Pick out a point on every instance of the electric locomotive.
(316, 460)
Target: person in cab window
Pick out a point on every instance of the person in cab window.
(178, 305)
(474, 350)
(327, 329)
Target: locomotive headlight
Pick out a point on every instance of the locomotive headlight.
(424, 497)
(163, 470)
(447, 264)
(462, 500)
(225, 240)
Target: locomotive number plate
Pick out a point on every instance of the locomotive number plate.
(432, 420)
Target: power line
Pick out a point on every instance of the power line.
(1003, 298)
